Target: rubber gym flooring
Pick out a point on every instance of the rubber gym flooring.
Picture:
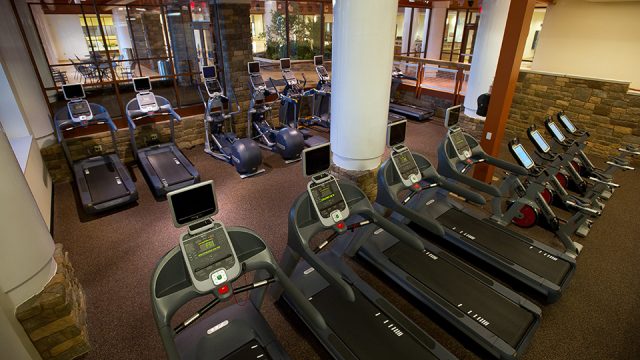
(114, 255)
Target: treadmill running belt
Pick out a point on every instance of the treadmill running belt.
(504, 244)
(464, 292)
(168, 168)
(250, 350)
(102, 183)
(365, 329)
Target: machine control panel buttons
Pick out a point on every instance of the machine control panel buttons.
(336, 215)
(223, 289)
(414, 178)
(219, 277)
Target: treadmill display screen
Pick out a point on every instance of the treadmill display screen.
(328, 198)
(141, 84)
(193, 204)
(146, 100)
(316, 160)
(209, 72)
(452, 116)
(285, 63)
(317, 60)
(542, 143)
(208, 249)
(397, 133)
(459, 142)
(254, 67)
(73, 91)
(78, 108)
(556, 131)
(567, 123)
(405, 164)
(523, 156)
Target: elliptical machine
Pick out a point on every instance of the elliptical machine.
(224, 145)
(321, 105)
(286, 141)
(290, 99)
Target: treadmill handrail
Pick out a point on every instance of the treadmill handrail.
(300, 232)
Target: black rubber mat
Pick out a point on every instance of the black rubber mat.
(480, 302)
(365, 329)
(102, 183)
(505, 245)
(168, 168)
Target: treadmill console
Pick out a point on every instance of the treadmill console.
(455, 133)
(324, 191)
(541, 143)
(207, 250)
(146, 99)
(401, 156)
(78, 106)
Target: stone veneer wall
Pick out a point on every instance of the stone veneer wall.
(189, 133)
(55, 319)
(605, 108)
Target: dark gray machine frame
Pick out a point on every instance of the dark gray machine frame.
(361, 324)
(172, 170)
(410, 111)
(112, 174)
(495, 317)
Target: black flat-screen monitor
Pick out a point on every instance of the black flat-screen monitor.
(253, 67)
(318, 60)
(316, 159)
(73, 91)
(396, 133)
(141, 84)
(192, 203)
(285, 64)
(452, 116)
(209, 72)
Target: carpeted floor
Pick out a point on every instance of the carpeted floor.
(115, 254)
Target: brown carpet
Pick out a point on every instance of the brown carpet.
(115, 254)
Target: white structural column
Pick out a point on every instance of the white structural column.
(436, 31)
(425, 30)
(363, 40)
(122, 30)
(486, 51)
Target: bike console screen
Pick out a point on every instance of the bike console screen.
(557, 133)
(542, 143)
(567, 123)
(523, 156)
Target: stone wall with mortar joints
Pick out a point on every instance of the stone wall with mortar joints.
(189, 133)
(604, 108)
(55, 319)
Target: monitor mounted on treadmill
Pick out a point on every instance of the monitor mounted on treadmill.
(206, 248)
(455, 133)
(324, 191)
(211, 82)
(78, 106)
(401, 156)
(146, 99)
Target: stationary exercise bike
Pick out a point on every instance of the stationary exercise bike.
(286, 141)
(244, 154)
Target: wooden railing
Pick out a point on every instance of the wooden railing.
(423, 63)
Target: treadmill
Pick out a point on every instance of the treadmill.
(540, 267)
(361, 324)
(409, 111)
(102, 180)
(495, 317)
(208, 261)
(164, 166)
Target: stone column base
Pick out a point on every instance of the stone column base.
(367, 180)
(55, 319)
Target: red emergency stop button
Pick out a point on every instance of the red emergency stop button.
(416, 186)
(340, 225)
(223, 289)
